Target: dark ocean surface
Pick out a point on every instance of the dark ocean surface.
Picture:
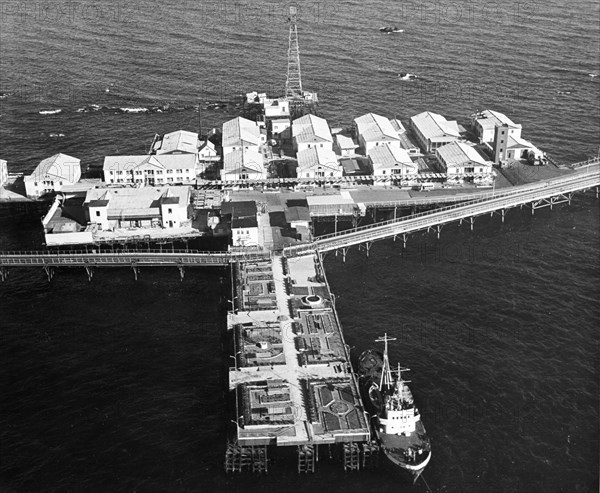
(118, 385)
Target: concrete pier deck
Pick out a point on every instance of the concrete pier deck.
(292, 376)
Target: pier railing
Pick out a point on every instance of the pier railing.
(494, 202)
(129, 258)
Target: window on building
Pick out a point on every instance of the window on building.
(170, 211)
(97, 213)
(169, 171)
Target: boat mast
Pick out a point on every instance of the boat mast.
(386, 372)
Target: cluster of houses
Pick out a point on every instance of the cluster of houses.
(136, 190)
(376, 146)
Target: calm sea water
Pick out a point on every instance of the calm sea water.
(118, 385)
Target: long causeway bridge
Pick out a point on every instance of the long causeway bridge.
(133, 259)
(537, 195)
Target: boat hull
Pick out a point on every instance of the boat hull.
(410, 452)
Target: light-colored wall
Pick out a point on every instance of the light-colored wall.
(99, 215)
(245, 236)
(3, 172)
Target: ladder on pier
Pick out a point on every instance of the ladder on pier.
(306, 458)
(370, 454)
(238, 458)
(260, 462)
(351, 456)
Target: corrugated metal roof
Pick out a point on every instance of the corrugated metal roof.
(492, 119)
(240, 132)
(375, 128)
(136, 202)
(432, 125)
(311, 128)
(60, 166)
(515, 142)
(317, 156)
(243, 158)
(390, 157)
(345, 142)
(460, 153)
(180, 140)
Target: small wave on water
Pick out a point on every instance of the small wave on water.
(50, 112)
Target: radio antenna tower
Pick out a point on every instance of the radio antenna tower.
(293, 86)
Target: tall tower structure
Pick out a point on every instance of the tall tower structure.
(298, 98)
(293, 85)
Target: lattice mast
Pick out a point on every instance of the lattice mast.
(293, 85)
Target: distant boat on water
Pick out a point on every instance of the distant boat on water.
(390, 30)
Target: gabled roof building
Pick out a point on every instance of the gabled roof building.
(150, 170)
(433, 130)
(241, 134)
(376, 130)
(311, 131)
(52, 174)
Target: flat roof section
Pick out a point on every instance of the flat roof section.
(334, 409)
(259, 344)
(319, 341)
(255, 287)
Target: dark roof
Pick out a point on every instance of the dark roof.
(239, 209)
(297, 214)
(356, 166)
(97, 203)
(245, 222)
(169, 200)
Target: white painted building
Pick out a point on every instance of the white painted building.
(241, 134)
(344, 146)
(3, 172)
(207, 152)
(462, 162)
(52, 174)
(243, 165)
(311, 131)
(433, 130)
(277, 108)
(280, 125)
(151, 170)
(244, 223)
(318, 162)
(520, 148)
(375, 130)
(179, 142)
(484, 125)
(146, 207)
(392, 161)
